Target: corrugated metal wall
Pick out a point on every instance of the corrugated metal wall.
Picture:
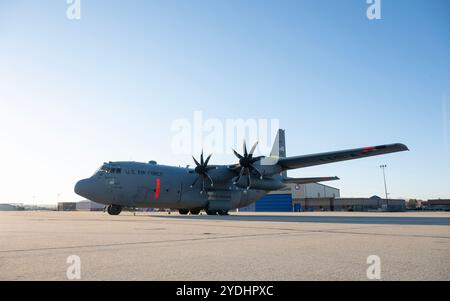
(314, 190)
(274, 203)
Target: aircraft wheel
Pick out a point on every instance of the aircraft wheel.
(223, 212)
(183, 211)
(114, 209)
(211, 212)
(195, 211)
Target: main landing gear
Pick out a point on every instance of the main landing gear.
(114, 209)
(192, 211)
(217, 212)
(197, 212)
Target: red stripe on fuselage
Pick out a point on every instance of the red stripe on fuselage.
(157, 189)
(368, 149)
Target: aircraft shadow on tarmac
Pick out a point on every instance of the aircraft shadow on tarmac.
(375, 220)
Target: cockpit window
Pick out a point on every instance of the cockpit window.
(108, 169)
(116, 170)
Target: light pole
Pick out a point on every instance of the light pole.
(385, 187)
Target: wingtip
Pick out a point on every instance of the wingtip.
(403, 147)
(396, 147)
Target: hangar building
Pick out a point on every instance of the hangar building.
(87, 205)
(320, 197)
(84, 205)
(374, 203)
(295, 198)
(66, 206)
(438, 204)
(9, 207)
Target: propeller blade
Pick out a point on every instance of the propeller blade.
(195, 182)
(245, 150)
(196, 162)
(240, 175)
(237, 154)
(253, 148)
(246, 164)
(207, 159)
(253, 160)
(257, 171)
(210, 179)
(202, 171)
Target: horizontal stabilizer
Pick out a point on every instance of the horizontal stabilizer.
(308, 180)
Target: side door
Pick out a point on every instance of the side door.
(113, 184)
(170, 188)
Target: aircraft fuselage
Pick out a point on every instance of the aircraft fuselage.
(133, 184)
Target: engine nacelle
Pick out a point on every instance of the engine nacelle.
(264, 184)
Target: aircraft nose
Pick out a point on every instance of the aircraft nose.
(82, 187)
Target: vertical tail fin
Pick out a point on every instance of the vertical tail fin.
(279, 148)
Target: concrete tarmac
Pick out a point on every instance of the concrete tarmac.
(242, 246)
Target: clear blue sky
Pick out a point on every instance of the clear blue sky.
(74, 94)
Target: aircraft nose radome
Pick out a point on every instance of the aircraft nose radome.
(81, 187)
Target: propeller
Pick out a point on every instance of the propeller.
(246, 162)
(202, 170)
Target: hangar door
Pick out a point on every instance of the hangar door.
(274, 203)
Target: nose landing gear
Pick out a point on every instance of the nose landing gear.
(114, 209)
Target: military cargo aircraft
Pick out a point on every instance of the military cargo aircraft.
(213, 188)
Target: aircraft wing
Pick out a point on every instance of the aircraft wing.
(308, 180)
(331, 157)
